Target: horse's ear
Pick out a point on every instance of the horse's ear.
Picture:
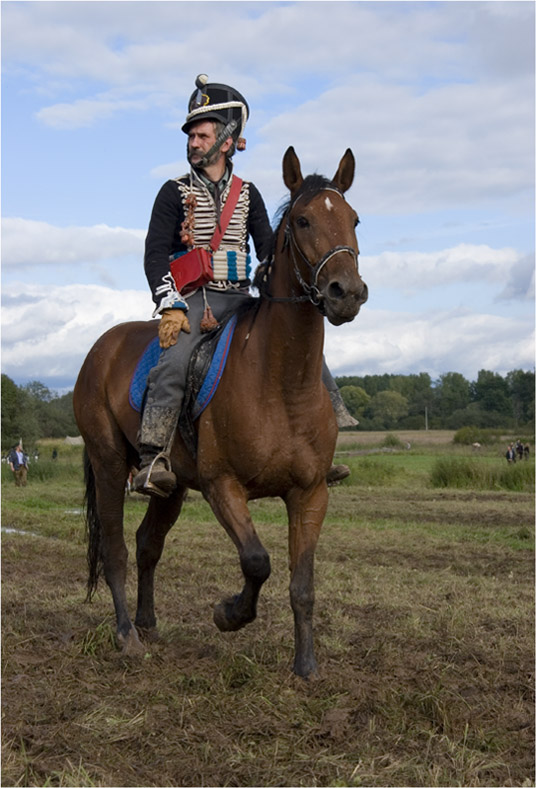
(345, 174)
(292, 175)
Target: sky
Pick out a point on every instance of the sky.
(435, 99)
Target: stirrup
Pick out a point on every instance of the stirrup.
(336, 474)
(149, 487)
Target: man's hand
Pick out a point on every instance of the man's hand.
(173, 321)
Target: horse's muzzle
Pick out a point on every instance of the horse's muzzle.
(342, 301)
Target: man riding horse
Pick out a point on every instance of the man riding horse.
(189, 214)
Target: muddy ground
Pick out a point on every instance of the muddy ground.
(425, 644)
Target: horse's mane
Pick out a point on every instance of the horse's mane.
(311, 186)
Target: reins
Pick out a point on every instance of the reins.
(311, 291)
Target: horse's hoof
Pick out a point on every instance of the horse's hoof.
(130, 644)
(223, 617)
(148, 634)
(306, 669)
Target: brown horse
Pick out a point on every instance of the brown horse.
(269, 430)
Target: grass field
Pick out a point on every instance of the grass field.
(423, 623)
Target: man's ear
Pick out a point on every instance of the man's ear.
(227, 145)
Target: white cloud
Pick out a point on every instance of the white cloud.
(406, 271)
(457, 340)
(48, 331)
(520, 282)
(86, 112)
(27, 242)
(415, 150)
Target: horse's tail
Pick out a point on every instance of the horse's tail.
(93, 529)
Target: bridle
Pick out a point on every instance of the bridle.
(311, 291)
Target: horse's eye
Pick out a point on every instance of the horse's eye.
(301, 221)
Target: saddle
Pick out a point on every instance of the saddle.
(205, 369)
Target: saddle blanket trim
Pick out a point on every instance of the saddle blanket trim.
(138, 384)
(150, 357)
(215, 371)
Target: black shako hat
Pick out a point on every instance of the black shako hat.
(212, 101)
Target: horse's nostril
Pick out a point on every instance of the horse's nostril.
(335, 291)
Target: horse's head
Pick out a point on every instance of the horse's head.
(321, 235)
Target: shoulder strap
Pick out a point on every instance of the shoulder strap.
(228, 210)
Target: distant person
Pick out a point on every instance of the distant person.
(18, 462)
(526, 451)
(519, 449)
(510, 453)
(54, 454)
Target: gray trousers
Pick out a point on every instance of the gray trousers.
(167, 380)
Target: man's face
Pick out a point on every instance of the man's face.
(201, 138)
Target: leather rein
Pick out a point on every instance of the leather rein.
(311, 291)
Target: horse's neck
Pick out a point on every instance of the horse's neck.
(293, 331)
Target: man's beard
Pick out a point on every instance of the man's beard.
(201, 164)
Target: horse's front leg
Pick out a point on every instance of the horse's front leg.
(306, 511)
(228, 502)
(161, 514)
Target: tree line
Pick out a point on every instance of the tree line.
(386, 402)
(34, 411)
(379, 402)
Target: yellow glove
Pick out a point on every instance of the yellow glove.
(173, 321)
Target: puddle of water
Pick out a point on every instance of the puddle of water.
(17, 531)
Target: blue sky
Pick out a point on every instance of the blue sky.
(435, 99)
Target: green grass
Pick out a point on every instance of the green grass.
(475, 474)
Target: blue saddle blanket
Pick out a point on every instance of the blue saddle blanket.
(208, 387)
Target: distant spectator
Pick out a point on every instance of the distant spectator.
(54, 454)
(510, 453)
(519, 449)
(526, 451)
(18, 462)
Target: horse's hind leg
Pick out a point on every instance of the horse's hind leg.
(150, 537)
(109, 484)
(229, 505)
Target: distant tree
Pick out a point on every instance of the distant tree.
(387, 407)
(19, 416)
(420, 396)
(521, 389)
(59, 417)
(348, 380)
(490, 392)
(356, 399)
(452, 393)
(39, 391)
(33, 411)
